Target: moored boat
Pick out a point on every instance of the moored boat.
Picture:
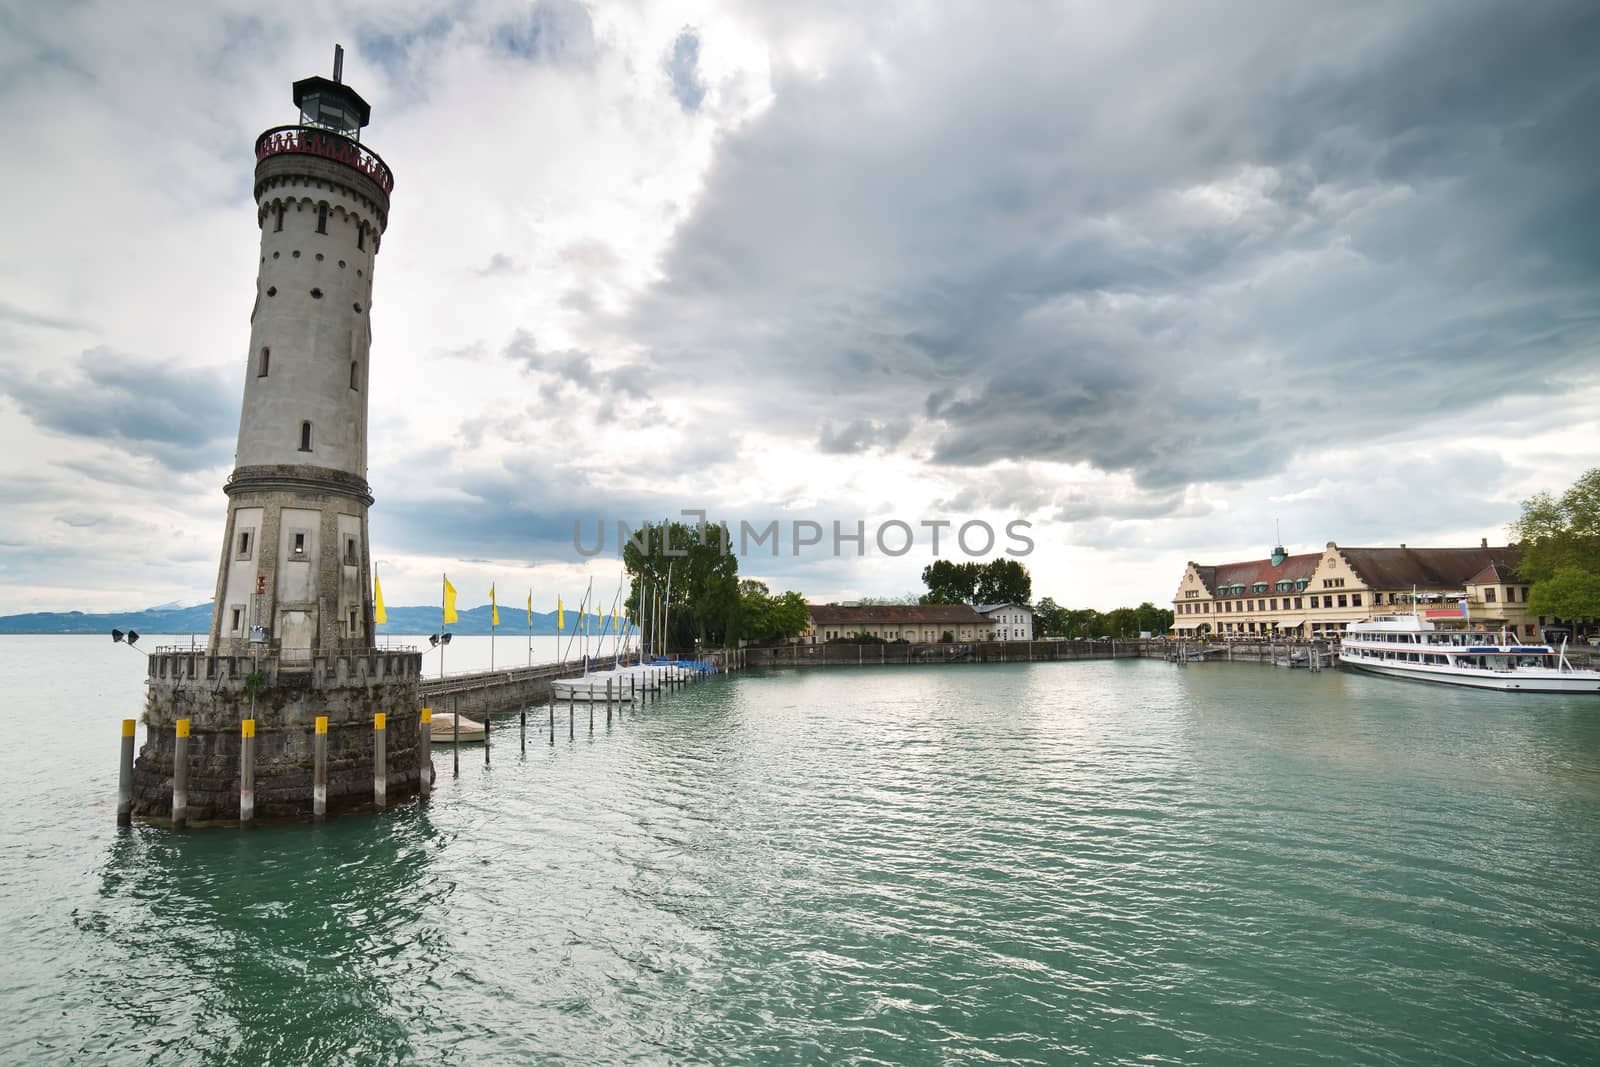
(1406, 646)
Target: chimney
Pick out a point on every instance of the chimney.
(1485, 543)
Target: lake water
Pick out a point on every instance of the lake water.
(1109, 862)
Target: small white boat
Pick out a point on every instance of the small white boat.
(1406, 646)
(443, 728)
(592, 686)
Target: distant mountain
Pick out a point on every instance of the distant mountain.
(197, 620)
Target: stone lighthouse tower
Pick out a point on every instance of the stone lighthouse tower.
(291, 626)
(295, 564)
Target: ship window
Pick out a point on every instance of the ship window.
(305, 437)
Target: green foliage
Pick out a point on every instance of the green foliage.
(1569, 593)
(1154, 620)
(1004, 581)
(949, 582)
(1560, 541)
(255, 683)
(705, 581)
(763, 617)
(1000, 581)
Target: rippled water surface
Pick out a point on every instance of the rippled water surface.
(1105, 862)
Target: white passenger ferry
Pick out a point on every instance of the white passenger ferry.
(1406, 646)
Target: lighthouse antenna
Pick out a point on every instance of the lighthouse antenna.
(338, 63)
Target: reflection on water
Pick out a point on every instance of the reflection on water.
(1038, 863)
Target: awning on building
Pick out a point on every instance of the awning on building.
(1290, 624)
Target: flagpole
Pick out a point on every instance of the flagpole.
(530, 626)
(444, 580)
(494, 610)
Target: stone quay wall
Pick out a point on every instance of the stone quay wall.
(214, 694)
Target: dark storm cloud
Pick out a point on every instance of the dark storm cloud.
(1187, 242)
(183, 417)
(683, 67)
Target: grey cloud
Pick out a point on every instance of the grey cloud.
(23, 317)
(570, 370)
(683, 67)
(1319, 225)
(550, 31)
(499, 264)
(184, 417)
(861, 435)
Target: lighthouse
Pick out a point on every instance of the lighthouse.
(295, 571)
(291, 663)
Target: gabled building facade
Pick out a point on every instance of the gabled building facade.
(1012, 622)
(1319, 594)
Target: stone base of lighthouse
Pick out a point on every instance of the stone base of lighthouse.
(214, 694)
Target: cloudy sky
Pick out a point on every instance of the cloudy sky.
(1151, 276)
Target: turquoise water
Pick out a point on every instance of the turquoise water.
(1098, 862)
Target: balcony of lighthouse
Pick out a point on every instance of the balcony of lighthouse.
(325, 144)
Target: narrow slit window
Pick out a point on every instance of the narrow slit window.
(244, 544)
(266, 362)
(353, 631)
(305, 437)
(361, 236)
(299, 544)
(355, 375)
(350, 550)
(322, 218)
(278, 225)
(238, 616)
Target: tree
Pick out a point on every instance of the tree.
(1560, 541)
(950, 583)
(705, 580)
(1122, 622)
(1004, 581)
(767, 618)
(1570, 593)
(1052, 618)
(1152, 619)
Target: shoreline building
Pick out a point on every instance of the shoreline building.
(292, 621)
(1318, 594)
(1012, 622)
(917, 623)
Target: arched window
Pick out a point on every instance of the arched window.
(322, 218)
(266, 360)
(305, 437)
(355, 375)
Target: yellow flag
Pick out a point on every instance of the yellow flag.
(494, 609)
(613, 620)
(530, 609)
(449, 601)
(561, 615)
(378, 614)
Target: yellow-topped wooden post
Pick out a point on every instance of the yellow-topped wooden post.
(180, 775)
(380, 759)
(125, 776)
(319, 768)
(425, 753)
(247, 771)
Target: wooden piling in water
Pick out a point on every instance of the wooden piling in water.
(180, 776)
(425, 753)
(608, 702)
(247, 772)
(488, 721)
(125, 776)
(522, 715)
(319, 769)
(455, 738)
(380, 760)
(552, 718)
